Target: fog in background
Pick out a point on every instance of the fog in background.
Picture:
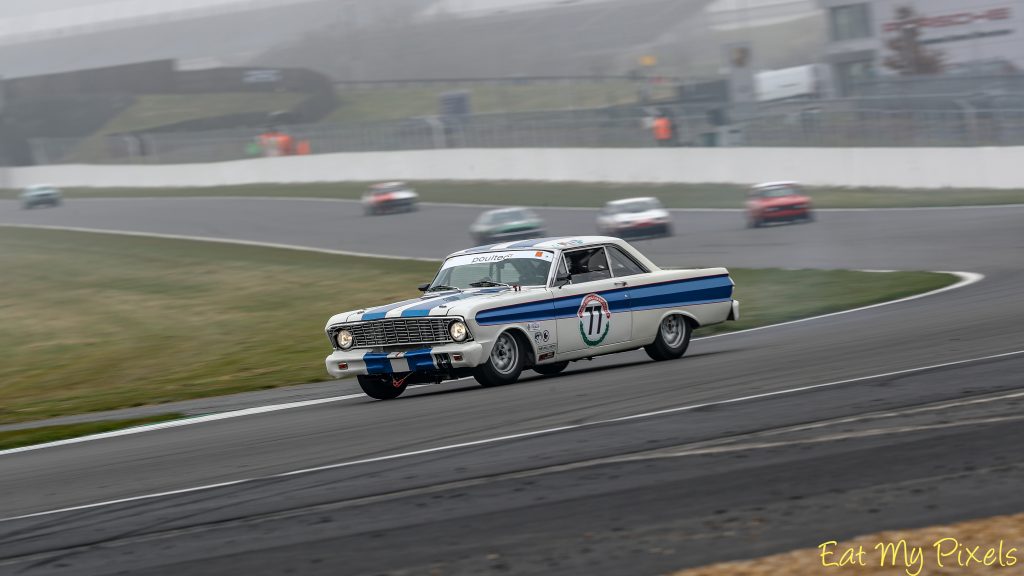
(394, 39)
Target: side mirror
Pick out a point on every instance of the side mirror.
(423, 287)
(563, 279)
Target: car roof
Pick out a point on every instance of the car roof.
(550, 243)
(628, 200)
(776, 184)
(388, 185)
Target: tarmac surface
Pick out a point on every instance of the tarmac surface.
(758, 442)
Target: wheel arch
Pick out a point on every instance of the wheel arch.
(694, 322)
(525, 342)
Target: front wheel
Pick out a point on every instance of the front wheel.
(381, 387)
(673, 339)
(550, 369)
(504, 365)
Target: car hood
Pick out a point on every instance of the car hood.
(449, 303)
(784, 201)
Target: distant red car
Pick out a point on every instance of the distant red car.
(778, 202)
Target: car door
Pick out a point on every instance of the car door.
(593, 309)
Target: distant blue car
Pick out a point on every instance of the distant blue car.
(40, 195)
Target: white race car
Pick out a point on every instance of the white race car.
(635, 218)
(390, 197)
(492, 312)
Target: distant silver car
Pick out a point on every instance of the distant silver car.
(390, 197)
(635, 218)
(505, 225)
(40, 195)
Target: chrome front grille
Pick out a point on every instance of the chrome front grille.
(395, 332)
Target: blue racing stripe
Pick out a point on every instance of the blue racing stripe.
(690, 291)
(697, 291)
(377, 363)
(420, 360)
(532, 312)
(382, 311)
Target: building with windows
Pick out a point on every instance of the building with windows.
(866, 37)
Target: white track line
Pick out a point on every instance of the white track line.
(966, 279)
(521, 435)
(219, 240)
(571, 208)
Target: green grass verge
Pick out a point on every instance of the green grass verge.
(30, 436)
(97, 322)
(584, 195)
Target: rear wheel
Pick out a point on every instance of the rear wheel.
(381, 387)
(504, 365)
(673, 338)
(550, 369)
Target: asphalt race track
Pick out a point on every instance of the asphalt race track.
(759, 442)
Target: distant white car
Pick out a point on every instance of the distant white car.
(634, 219)
(40, 195)
(390, 197)
(494, 311)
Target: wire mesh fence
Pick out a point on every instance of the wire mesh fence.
(800, 126)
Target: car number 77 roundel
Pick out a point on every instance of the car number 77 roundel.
(595, 319)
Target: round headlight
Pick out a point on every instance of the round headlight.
(458, 331)
(344, 339)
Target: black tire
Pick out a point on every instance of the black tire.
(381, 387)
(753, 222)
(809, 217)
(672, 343)
(504, 365)
(550, 369)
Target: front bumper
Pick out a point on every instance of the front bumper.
(787, 214)
(442, 359)
(643, 231)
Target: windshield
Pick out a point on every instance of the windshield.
(522, 267)
(507, 216)
(635, 206)
(778, 192)
(381, 190)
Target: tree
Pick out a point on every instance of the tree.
(909, 55)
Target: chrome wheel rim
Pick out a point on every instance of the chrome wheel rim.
(505, 354)
(673, 331)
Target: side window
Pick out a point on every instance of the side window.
(622, 264)
(588, 265)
